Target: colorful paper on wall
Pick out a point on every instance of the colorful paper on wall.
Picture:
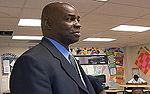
(112, 83)
(90, 70)
(119, 74)
(143, 61)
(112, 69)
(88, 51)
(110, 55)
(95, 69)
(120, 71)
(111, 78)
(119, 58)
(119, 80)
(98, 70)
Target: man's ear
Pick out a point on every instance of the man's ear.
(48, 25)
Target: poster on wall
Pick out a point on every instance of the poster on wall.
(8, 60)
(119, 58)
(119, 74)
(6, 67)
(143, 61)
(112, 69)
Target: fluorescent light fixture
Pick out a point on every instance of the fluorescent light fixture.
(130, 28)
(99, 39)
(27, 37)
(102, 0)
(29, 22)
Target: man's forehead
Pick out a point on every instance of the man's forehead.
(73, 15)
(70, 11)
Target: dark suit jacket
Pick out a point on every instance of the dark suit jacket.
(44, 70)
(96, 83)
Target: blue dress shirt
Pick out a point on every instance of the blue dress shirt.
(61, 48)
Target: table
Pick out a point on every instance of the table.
(108, 91)
(138, 85)
(113, 91)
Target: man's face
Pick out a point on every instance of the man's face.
(66, 25)
(136, 78)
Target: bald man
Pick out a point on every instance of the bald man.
(47, 67)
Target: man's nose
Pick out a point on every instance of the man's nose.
(77, 24)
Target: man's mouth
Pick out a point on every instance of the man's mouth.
(77, 33)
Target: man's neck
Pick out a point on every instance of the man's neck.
(63, 44)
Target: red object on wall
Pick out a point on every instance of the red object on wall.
(143, 61)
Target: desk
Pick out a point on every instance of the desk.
(113, 91)
(126, 86)
(134, 86)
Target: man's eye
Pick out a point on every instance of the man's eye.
(70, 19)
(78, 20)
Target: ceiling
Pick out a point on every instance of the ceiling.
(97, 18)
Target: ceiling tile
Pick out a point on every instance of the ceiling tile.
(31, 13)
(121, 10)
(140, 3)
(9, 12)
(90, 29)
(146, 16)
(4, 28)
(86, 6)
(95, 18)
(28, 31)
(12, 3)
(38, 4)
(141, 22)
(8, 21)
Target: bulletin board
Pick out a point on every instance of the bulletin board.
(143, 60)
(112, 66)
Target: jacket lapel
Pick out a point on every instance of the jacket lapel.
(87, 82)
(67, 67)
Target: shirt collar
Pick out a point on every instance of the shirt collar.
(61, 48)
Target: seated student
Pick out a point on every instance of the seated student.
(137, 90)
(136, 80)
(97, 84)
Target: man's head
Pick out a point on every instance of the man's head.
(136, 77)
(60, 21)
(137, 90)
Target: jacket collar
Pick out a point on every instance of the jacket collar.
(69, 69)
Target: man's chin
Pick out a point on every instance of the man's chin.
(74, 41)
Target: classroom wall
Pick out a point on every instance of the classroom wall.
(130, 54)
